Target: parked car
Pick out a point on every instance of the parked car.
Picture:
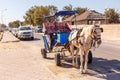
(77, 29)
(25, 32)
(38, 29)
(14, 31)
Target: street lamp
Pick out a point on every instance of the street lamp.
(2, 11)
(2, 19)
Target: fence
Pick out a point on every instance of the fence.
(111, 31)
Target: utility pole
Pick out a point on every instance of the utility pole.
(2, 11)
(2, 23)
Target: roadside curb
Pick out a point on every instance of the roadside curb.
(8, 37)
(1, 35)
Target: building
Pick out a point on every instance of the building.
(87, 17)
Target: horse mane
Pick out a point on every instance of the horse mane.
(87, 31)
(79, 32)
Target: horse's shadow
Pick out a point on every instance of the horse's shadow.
(106, 67)
(101, 66)
(35, 39)
(50, 58)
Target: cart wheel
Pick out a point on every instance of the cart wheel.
(43, 52)
(57, 59)
(90, 57)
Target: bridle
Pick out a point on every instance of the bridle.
(96, 38)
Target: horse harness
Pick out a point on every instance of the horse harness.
(93, 40)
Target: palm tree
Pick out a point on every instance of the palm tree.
(69, 7)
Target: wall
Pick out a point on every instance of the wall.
(111, 31)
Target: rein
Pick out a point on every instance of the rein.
(92, 42)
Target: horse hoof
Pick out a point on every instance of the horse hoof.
(81, 71)
(77, 66)
(85, 71)
(73, 65)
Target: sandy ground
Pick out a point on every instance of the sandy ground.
(8, 37)
(19, 61)
(23, 61)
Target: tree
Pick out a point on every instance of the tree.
(2, 27)
(69, 7)
(29, 16)
(112, 15)
(81, 10)
(78, 9)
(35, 15)
(14, 24)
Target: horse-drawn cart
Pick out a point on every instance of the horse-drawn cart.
(56, 37)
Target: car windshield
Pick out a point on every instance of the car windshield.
(25, 28)
(39, 27)
(15, 29)
(75, 29)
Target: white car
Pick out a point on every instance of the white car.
(14, 31)
(38, 29)
(25, 32)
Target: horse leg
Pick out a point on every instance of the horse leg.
(77, 57)
(63, 54)
(81, 62)
(86, 62)
(72, 52)
(69, 51)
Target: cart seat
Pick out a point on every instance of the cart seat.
(53, 27)
(63, 27)
(49, 27)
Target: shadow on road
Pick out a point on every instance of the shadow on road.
(106, 67)
(49, 58)
(35, 39)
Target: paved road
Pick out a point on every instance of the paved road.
(23, 61)
(106, 62)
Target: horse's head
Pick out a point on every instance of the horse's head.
(96, 34)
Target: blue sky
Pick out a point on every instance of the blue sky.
(11, 10)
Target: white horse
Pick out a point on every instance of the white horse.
(83, 40)
(91, 36)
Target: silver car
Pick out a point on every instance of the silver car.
(14, 31)
(38, 29)
(25, 32)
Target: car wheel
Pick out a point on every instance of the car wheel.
(32, 38)
(90, 57)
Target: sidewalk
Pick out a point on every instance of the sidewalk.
(9, 37)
